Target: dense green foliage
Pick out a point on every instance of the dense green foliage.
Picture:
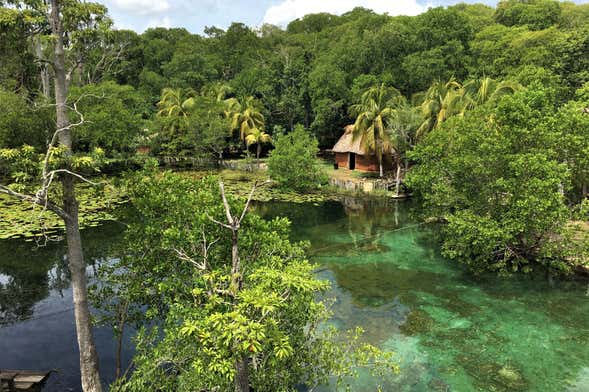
(487, 109)
(178, 270)
(113, 117)
(502, 176)
(21, 123)
(293, 163)
(176, 94)
(315, 69)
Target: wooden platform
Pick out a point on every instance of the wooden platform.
(21, 380)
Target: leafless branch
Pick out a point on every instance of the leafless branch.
(247, 204)
(43, 202)
(71, 173)
(110, 57)
(183, 256)
(226, 204)
(219, 223)
(206, 247)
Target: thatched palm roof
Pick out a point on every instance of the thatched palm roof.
(347, 143)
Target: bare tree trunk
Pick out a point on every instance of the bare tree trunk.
(241, 380)
(88, 357)
(379, 156)
(235, 274)
(242, 375)
(120, 335)
(258, 152)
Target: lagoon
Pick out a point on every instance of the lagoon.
(451, 331)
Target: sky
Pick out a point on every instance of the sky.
(195, 15)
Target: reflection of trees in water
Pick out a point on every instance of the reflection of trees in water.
(27, 282)
(59, 276)
(370, 219)
(29, 273)
(363, 220)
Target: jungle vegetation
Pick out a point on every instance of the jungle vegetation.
(484, 111)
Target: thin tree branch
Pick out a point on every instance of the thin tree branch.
(35, 200)
(71, 173)
(183, 256)
(219, 223)
(247, 204)
(226, 204)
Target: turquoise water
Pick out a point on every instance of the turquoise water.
(450, 331)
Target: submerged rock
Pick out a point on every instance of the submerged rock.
(511, 378)
(418, 322)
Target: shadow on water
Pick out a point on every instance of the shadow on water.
(451, 331)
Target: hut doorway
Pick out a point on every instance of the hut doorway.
(351, 161)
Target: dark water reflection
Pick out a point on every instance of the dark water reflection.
(37, 328)
(450, 330)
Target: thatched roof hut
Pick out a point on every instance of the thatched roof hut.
(350, 154)
(347, 143)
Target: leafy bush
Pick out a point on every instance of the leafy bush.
(113, 117)
(500, 178)
(21, 123)
(178, 269)
(293, 163)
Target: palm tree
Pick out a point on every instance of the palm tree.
(245, 116)
(217, 91)
(481, 91)
(176, 105)
(373, 113)
(441, 101)
(259, 137)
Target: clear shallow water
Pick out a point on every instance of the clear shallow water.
(451, 331)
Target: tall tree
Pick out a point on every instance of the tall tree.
(246, 116)
(235, 301)
(497, 178)
(173, 116)
(257, 137)
(71, 19)
(441, 101)
(373, 114)
(402, 130)
(481, 91)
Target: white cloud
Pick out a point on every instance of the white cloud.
(160, 22)
(142, 7)
(289, 10)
